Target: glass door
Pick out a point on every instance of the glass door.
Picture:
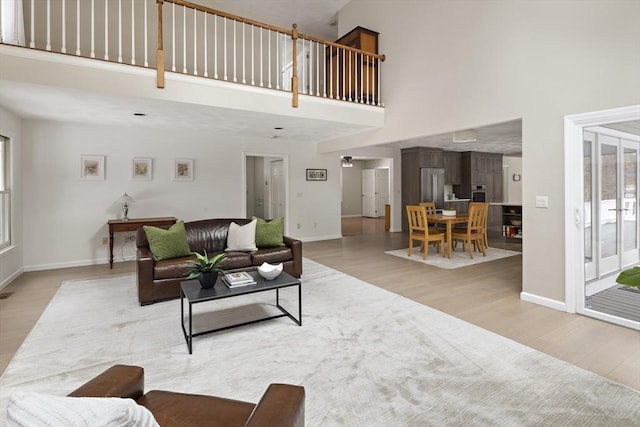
(610, 194)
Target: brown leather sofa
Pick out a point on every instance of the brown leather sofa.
(281, 405)
(160, 280)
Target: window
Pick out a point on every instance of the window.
(5, 194)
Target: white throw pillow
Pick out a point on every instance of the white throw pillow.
(242, 237)
(33, 409)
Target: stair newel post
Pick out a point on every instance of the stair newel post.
(294, 76)
(160, 51)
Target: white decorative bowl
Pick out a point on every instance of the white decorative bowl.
(270, 271)
(448, 213)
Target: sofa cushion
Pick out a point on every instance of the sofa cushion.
(269, 233)
(166, 244)
(36, 409)
(236, 260)
(172, 268)
(271, 255)
(242, 237)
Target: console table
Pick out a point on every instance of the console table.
(132, 224)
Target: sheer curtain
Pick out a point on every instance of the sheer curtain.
(12, 22)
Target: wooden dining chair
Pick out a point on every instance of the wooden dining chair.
(474, 234)
(419, 230)
(485, 217)
(431, 210)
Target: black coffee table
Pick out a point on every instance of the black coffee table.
(194, 294)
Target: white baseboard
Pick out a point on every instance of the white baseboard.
(11, 278)
(58, 265)
(546, 302)
(318, 238)
(352, 216)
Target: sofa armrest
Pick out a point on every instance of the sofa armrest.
(144, 274)
(281, 405)
(296, 252)
(117, 381)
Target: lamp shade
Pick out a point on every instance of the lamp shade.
(125, 198)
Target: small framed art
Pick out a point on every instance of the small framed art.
(141, 169)
(92, 168)
(316, 174)
(183, 170)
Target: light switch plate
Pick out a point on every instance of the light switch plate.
(542, 201)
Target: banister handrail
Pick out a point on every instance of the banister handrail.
(221, 45)
(270, 27)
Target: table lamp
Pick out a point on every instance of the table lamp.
(125, 199)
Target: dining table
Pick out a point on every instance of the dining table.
(449, 221)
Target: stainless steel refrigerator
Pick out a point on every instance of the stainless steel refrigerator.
(432, 186)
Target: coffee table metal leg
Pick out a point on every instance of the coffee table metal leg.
(190, 330)
(300, 305)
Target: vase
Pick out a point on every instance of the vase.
(208, 280)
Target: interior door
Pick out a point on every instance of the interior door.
(277, 196)
(369, 193)
(382, 190)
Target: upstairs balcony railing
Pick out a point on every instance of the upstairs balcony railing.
(183, 37)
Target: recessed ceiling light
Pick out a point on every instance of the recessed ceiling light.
(140, 114)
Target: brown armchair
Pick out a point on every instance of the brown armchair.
(281, 405)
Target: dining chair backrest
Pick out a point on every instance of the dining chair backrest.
(485, 210)
(417, 218)
(430, 207)
(476, 218)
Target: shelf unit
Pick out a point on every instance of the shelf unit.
(512, 222)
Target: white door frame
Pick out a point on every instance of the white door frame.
(573, 207)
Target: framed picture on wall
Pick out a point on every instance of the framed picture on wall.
(316, 174)
(92, 168)
(183, 170)
(141, 169)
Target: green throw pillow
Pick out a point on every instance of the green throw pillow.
(269, 234)
(165, 244)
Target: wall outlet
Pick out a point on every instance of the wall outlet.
(542, 201)
(105, 240)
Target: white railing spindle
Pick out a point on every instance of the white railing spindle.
(235, 50)
(361, 78)
(146, 32)
(106, 30)
(318, 69)
(195, 42)
(269, 58)
(206, 56)
(324, 66)
(244, 55)
(93, 29)
(184, 39)
(351, 75)
(278, 73)
(78, 27)
(48, 47)
(215, 46)
(133, 31)
(253, 55)
(261, 59)
(32, 43)
(173, 37)
(63, 49)
(119, 30)
(224, 62)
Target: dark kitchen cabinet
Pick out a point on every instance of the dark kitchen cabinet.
(412, 160)
(452, 170)
(481, 169)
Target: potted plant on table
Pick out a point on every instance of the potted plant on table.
(206, 269)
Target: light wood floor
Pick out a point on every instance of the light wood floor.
(486, 295)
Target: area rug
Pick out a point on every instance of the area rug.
(458, 258)
(366, 357)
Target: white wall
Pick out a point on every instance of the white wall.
(66, 217)
(11, 258)
(462, 64)
(514, 188)
(352, 189)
